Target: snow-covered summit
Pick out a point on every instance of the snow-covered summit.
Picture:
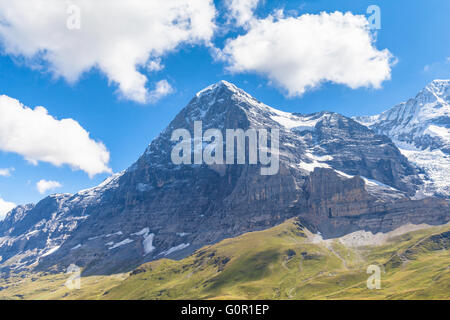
(214, 87)
(422, 122)
(440, 88)
(420, 127)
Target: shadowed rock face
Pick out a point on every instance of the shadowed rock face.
(336, 174)
(335, 206)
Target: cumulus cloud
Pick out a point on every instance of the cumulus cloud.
(6, 172)
(38, 136)
(300, 53)
(241, 11)
(162, 89)
(116, 37)
(5, 207)
(44, 185)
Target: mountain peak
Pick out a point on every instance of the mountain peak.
(440, 82)
(222, 96)
(222, 84)
(440, 88)
(421, 129)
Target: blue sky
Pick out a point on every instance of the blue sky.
(414, 32)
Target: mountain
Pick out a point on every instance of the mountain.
(284, 262)
(336, 175)
(420, 128)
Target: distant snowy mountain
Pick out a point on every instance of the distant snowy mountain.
(336, 175)
(420, 128)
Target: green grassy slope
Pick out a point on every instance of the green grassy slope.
(279, 263)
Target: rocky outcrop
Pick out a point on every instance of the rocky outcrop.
(336, 205)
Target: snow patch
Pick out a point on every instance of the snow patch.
(437, 131)
(121, 243)
(174, 249)
(144, 231)
(343, 174)
(51, 251)
(147, 243)
(376, 183)
(182, 234)
(118, 233)
(291, 121)
(312, 165)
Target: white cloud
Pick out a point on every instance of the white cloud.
(300, 53)
(5, 207)
(38, 136)
(162, 89)
(44, 185)
(117, 37)
(241, 11)
(438, 69)
(6, 172)
(155, 65)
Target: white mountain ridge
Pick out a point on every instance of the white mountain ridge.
(420, 127)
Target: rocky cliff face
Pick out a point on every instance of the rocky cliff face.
(335, 205)
(420, 128)
(334, 173)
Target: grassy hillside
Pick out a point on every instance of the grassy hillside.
(284, 262)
